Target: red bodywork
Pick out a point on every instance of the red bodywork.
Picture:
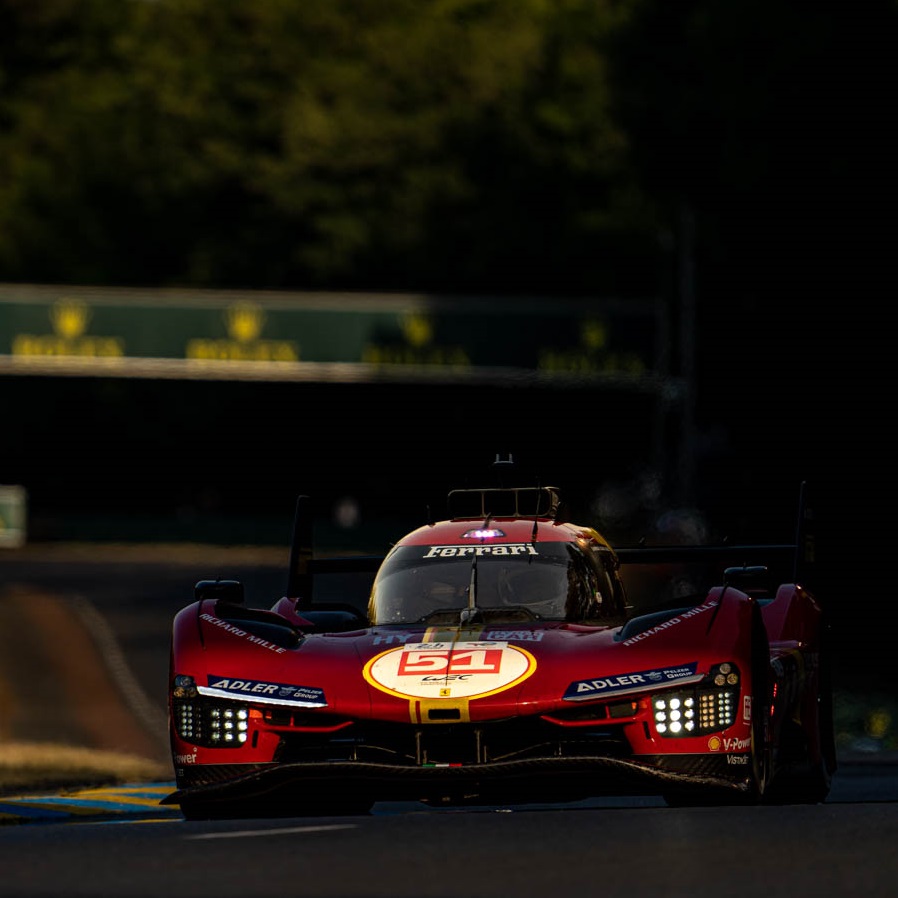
(327, 709)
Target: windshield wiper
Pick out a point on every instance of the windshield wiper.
(472, 612)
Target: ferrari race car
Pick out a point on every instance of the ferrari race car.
(499, 658)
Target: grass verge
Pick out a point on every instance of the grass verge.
(42, 766)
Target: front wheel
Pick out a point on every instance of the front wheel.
(806, 756)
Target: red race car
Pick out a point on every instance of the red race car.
(499, 658)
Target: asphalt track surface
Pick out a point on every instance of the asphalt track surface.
(612, 848)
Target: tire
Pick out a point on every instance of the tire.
(761, 748)
(806, 757)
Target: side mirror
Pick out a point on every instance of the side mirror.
(747, 578)
(220, 590)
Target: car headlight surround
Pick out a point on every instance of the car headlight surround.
(706, 708)
(210, 722)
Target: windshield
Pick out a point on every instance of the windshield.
(548, 581)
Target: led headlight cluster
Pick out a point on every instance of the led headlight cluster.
(209, 722)
(707, 708)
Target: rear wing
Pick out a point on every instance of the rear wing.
(793, 561)
(303, 569)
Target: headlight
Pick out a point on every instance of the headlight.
(706, 708)
(214, 723)
(228, 725)
(183, 687)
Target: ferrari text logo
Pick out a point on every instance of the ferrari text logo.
(456, 551)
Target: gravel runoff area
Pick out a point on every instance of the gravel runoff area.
(65, 721)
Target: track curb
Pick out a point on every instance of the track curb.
(135, 800)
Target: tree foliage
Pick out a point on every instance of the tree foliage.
(501, 145)
(464, 143)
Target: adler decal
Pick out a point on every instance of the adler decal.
(264, 692)
(638, 681)
(449, 670)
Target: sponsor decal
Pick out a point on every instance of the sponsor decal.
(237, 631)
(515, 635)
(460, 551)
(746, 708)
(262, 691)
(186, 759)
(638, 681)
(401, 638)
(738, 760)
(686, 615)
(715, 743)
(223, 624)
(393, 638)
(449, 669)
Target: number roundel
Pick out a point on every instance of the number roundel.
(437, 670)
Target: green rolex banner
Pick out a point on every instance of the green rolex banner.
(329, 336)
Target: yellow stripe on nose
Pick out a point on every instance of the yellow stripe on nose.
(440, 710)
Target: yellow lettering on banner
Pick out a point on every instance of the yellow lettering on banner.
(454, 356)
(83, 347)
(232, 351)
(579, 362)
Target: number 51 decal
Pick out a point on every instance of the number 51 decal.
(449, 661)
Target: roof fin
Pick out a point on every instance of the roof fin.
(501, 465)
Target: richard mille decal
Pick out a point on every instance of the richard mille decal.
(262, 691)
(449, 670)
(686, 615)
(237, 631)
(638, 681)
